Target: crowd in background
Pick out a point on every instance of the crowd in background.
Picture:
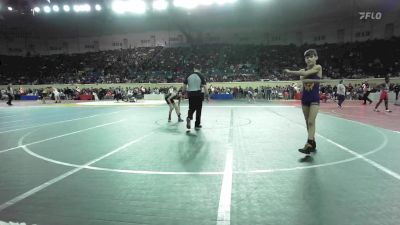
(287, 92)
(220, 63)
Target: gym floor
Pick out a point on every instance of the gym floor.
(68, 164)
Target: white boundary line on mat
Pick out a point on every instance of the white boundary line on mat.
(225, 197)
(67, 174)
(59, 136)
(63, 121)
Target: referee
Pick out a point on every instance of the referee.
(192, 85)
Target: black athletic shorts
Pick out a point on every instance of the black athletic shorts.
(172, 101)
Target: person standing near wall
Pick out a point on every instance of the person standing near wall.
(10, 94)
(341, 93)
(366, 92)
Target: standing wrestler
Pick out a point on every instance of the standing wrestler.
(311, 77)
(384, 95)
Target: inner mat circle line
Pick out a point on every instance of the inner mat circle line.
(247, 122)
(383, 144)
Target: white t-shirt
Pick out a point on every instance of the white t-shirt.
(341, 89)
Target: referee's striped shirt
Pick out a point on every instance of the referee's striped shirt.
(194, 82)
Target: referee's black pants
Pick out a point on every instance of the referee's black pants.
(365, 97)
(340, 99)
(10, 98)
(195, 105)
